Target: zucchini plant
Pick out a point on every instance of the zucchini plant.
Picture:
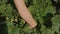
(43, 11)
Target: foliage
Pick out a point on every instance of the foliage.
(43, 12)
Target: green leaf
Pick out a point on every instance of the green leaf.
(56, 23)
(11, 28)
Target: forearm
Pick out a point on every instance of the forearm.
(24, 12)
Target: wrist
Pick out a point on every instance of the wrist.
(33, 25)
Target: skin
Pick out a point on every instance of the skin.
(25, 13)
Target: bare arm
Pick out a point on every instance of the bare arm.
(24, 13)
